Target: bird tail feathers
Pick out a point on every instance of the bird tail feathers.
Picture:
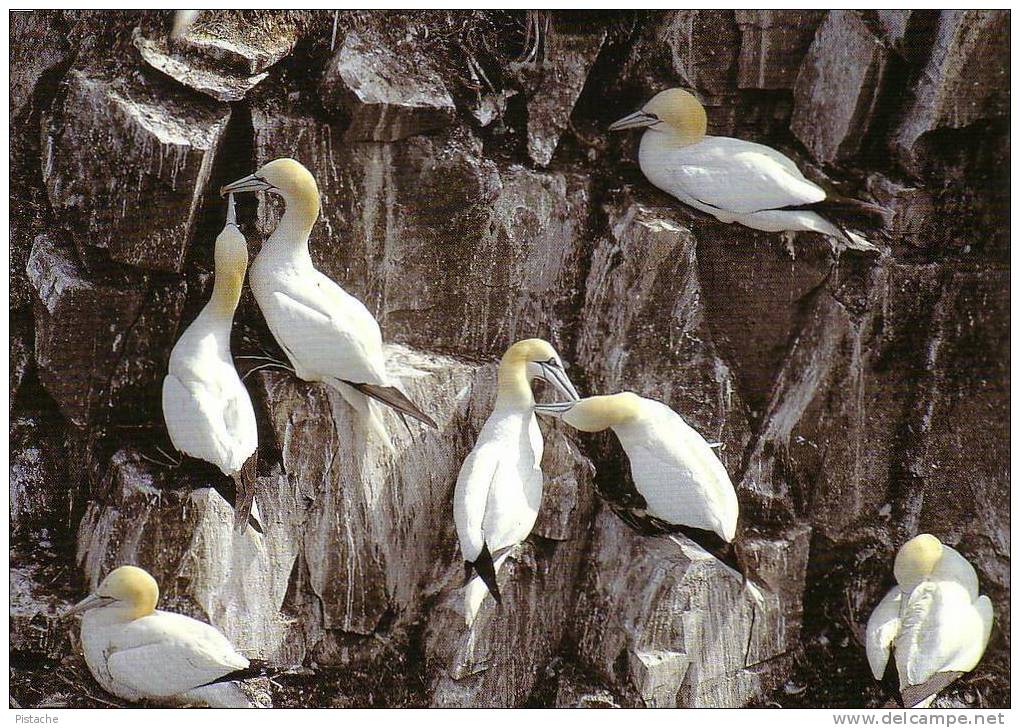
(393, 397)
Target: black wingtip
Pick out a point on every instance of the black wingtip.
(244, 496)
(393, 397)
(486, 570)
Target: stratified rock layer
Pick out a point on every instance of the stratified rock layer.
(126, 162)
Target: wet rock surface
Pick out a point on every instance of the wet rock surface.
(387, 91)
(858, 399)
(125, 163)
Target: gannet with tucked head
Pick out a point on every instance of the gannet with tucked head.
(933, 620)
(499, 488)
(138, 652)
(731, 179)
(328, 335)
(206, 407)
(674, 470)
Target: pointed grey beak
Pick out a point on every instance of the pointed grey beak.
(251, 183)
(637, 120)
(554, 409)
(231, 212)
(90, 602)
(558, 378)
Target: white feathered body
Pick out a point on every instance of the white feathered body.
(499, 489)
(941, 625)
(677, 473)
(207, 409)
(329, 336)
(735, 181)
(163, 656)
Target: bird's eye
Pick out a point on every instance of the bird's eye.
(551, 361)
(650, 115)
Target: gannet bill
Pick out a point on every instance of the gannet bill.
(933, 620)
(138, 652)
(499, 488)
(677, 477)
(732, 179)
(328, 335)
(206, 407)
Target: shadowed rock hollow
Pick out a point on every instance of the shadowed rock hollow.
(472, 197)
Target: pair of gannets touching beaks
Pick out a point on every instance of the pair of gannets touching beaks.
(499, 489)
(328, 336)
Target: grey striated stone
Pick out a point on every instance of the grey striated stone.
(915, 219)
(670, 626)
(40, 498)
(387, 91)
(99, 342)
(38, 45)
(126, 163)
(209, 79)
(838, 87)
(553, 82)
(242, 42)
(773, 44)
(35, 623)
(966, 79)
(446, 249)
(894, 24)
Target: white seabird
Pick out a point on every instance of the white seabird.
(138, 652)
(499, 488)
(732, 179)
(674, 470)
(933, 620)
(328, 335)
(206, 407)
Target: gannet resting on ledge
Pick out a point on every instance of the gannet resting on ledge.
(328, 335)
(731, 179)
(206, 407)
(138, 652)
(933, 620)
(499, 489)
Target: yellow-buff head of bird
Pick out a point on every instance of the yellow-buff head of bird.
(916, 560)
(674, 111)
(231, 261)
(594, 414)
(532, 359)
(287, 178)
(131, 589)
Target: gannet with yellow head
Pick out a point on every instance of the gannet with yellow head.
(328, 335)
(731, 179)
(499, 488)
(933, 620)
(206, 407)
(138, 652)
(673, 468)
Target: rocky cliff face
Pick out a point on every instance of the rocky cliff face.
(471, 197)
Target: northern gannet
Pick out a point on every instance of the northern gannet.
(138, 652)
(677, 477)
(206, 407)
(499, 488)
(933, 620)
(328, 335)
(731, 179)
